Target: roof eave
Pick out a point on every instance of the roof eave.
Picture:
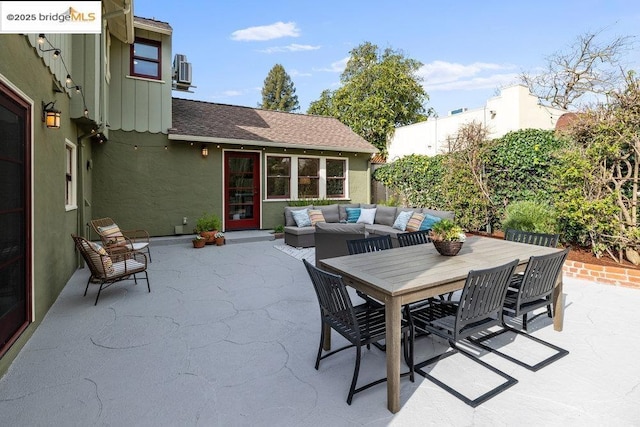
(272, 144)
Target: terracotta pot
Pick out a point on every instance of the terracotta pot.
(219, 241)
(210, 236)
(199, 243)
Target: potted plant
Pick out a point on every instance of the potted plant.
(199, 241)
(219, 238)
(447, 237)
(207, 226)
(278, 231)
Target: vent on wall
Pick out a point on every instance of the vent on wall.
(181, 73)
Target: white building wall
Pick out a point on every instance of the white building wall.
(514, 109)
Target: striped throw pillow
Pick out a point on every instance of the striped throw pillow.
(100, 256)
(315, 215)
(415, 221)
(113, 234)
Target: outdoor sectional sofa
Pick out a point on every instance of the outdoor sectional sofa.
(385, 217)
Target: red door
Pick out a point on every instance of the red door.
(242, 190)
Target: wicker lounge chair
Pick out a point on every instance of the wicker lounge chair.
(111, 235)
(108, 268)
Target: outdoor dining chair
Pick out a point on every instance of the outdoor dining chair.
(413, 238)
(479, 309)
(533, 292)
(369, 244)
(112, 236)
(109, 268)
(540, 239)
(361, 325)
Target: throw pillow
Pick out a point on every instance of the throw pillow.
(429, 220)
(301, 217)
(366, 216)
(315, 215)
(402, 220)
(102, 257)
(353, 214)
(415, 221)
(112, 233)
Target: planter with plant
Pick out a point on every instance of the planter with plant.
(278, 231)
(207, 226)
(198, 241)
(447, 237)
(219, 238)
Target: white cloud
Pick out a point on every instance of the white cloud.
(445, 76)
(296, 73)
(267, 32)
(290, 48)
(336, 67)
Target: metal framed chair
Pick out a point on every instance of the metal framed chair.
(479, 308)
(540, 239)
(112, 236)
(361, 325)
(369, 244)
(413, 238)
(108, 268)
(533, 292)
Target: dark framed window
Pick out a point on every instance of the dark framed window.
(278, 177)
(145, 59)
(336, 177)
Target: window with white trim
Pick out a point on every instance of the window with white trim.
(70, 192)
(278, 172)
(305, 177)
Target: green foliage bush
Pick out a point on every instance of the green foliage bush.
(314, 202)
(518, 167)
(530, 216)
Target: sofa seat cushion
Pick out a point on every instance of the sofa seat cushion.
(299, 231)
(382, 230)
(325, 227)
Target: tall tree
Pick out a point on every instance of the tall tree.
(380, 90)
(588, 67)
(279, 92)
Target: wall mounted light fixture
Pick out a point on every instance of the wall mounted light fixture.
(50, 116)
(205, 151)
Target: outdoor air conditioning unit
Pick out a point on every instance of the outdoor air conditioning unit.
(181, 73)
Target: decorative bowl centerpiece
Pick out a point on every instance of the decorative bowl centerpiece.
(447, 237)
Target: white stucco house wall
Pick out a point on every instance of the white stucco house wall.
(514, 109)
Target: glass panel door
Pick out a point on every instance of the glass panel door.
(242, 190)
(14, 217)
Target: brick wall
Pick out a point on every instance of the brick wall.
(617, 276)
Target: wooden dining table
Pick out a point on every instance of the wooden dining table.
(404, 275)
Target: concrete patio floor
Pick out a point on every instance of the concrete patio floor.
(228, 337)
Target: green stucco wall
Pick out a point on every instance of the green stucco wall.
(54, 257)
(151, 187)
(154, 188)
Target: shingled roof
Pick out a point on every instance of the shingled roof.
(221, 123)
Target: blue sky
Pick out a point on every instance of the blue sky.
(469, 48)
